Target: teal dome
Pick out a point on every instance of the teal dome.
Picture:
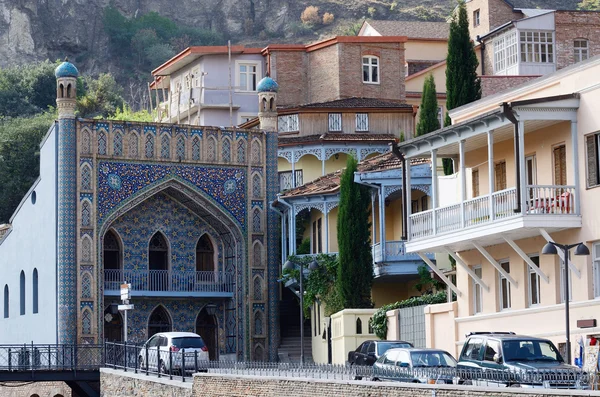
(66, 69)
(267, 84)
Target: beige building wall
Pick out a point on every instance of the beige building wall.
(344, 337)
(431, 50)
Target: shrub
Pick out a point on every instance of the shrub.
(310, 16)
(304, 247)
(328, 18)
(371, 11)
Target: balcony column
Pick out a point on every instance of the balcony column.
(382, 223)
(293, 169)
(491, 176)
(292, 231)
(463, 181)
(322, 161)
(574, 148)
(373, 193)
(326, 229)
(434, 188)
(408, 194)
(523, 178)
(283, 242)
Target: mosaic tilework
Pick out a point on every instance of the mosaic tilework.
(67, 236)
(135, 176)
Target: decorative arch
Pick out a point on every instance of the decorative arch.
(259, 352)
(259, 323)
(149, 146)
(205, 254)
(102, 143)
(86, 286)
(86, 141)
(211, 149)
(22, 293)
(226, 150)
(86, 322)
(86, 213)
(256, 151)
(180, 148)
(358, 326)
(257, 288)
(423, 188)
(241, 151)
(257, 188)
(113, 326)
(257, 220)
(134, 144)
(196, 149)
(86, 177)
(207, 327)
(118, 143)
(86, 249)
(257, 254)
(112, 250)
(165, 146)
(158, 252)
(159, 321)
(35, 295)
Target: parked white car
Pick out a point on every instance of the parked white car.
(164, 351)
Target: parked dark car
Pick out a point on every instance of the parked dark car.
(415, 366)
(505, 359)
(369, 351)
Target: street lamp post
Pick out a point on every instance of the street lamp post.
(550, 249)
(289, 265)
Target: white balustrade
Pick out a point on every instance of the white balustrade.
(477, 210)
(447, 218)
(505, 203)
(421, 224)
(550, 199)
(170, 280)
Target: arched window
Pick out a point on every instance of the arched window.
(158, 253)
(86, 286)
(112, 251)
(86, 322)
(118, 144)
(258, 288)
(86, 177)
(102, 143)
(180, 148)
(255, 152)
(86, 249)
(86, 213)
(133, 145)
(358, 326)
(258, 323)
(6, 301)
(241, 151)
(196, 149)
(35, 291)
(226, 151)
(86, 142)
(159, 321)
(256, 221)
(256, 186)
(259, 353)
(22, 293)
(68, 90)
(211, 150)
(257, 255)
(165, 146)
(205, 254)
(149, 147)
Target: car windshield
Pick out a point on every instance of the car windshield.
(432, 359)
(188, 342)
(530, 350)
(382, 347)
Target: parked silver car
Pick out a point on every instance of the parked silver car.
(415, 366)
(164, 351)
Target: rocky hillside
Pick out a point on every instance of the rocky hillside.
(50, 29)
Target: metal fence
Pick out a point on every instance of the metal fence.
(170, 364)
(35, 357)
(412, 325)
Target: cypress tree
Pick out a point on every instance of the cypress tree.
(355, 270)
(428, 115)
(462, 83)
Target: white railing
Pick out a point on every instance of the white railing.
(477, 211)
(551, 199)
(170, 280)
(376, 252)
(421, 224)
(394, 251)
(447, 218)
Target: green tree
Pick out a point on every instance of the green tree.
(101, 97)
(589, 5)
(462, 83)
(428, 112)
(19, 158)
(355, 271)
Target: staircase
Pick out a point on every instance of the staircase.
(289, 350)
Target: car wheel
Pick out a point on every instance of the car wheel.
(163, 367)
(141, 362)
(375, 379)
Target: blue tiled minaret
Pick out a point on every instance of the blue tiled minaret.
(66, 94)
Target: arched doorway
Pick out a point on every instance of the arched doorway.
(113, 276)
(113, 326)
(206, 327)
(159, 321)
(205, 254)
(158, 263)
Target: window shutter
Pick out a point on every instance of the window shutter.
(560, 166)
(592, 160)
(500, 176)
(475, 182)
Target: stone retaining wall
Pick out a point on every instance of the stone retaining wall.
(116, 383)
(211, 385)
(39, 389)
